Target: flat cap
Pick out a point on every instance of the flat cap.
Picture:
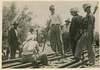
(15, 23)
(74, 9)
(51, 7)
(67, 20)
(86, 6)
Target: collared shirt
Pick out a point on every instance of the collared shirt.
(91, 22)
(16, 32)
(65, 28)
(55, 19)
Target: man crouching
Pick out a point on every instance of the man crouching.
(31, 51)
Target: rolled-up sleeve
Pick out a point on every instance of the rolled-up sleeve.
(60, 19)
(48, 22)
(91, 23)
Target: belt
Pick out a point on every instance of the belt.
(76, 29)
(55, 24)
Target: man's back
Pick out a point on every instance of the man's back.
(76, 22)
(30, 48)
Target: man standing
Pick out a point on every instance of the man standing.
(55, 38)
(65, 35)
(87, 37)
(14, 39)
(74, 27)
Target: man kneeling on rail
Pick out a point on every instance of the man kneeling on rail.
(31, 51)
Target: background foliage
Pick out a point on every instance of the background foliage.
(24, 17)
(11, 14)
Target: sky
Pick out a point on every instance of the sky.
(41, 11)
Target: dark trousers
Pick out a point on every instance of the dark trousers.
(72, 40)
(3, 55)
(55, 38)
(43, 58)
(66, 41)
(73, 45)
(85, 40)
(7, 52)
(34, 58)
(13, 52)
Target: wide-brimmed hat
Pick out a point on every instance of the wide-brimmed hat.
(85, 6)
(67, 20)
(75, 9)
(31, 29)
(15, 23)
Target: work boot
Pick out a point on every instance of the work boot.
(46, 64)
(35, 64)
(73, 58)
(56, 54)
(89, 63)
(61, 53)
(77, 60)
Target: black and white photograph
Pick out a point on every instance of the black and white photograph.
(50, 34)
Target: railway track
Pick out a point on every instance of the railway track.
(54, 62)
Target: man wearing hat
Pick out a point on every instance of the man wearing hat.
(87, 37)
(74, 27)
(65, 35)
(14, 39)
(55, 38)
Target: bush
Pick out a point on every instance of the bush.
(11, 14)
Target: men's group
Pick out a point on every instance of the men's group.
(76, 35)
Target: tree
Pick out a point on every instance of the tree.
(10, 14)
(24, 19)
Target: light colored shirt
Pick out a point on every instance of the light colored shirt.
(55, 19)
(30, 48)
(16, 32)
(30, 36)
(65, 28)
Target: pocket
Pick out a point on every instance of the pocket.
(85, 35)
